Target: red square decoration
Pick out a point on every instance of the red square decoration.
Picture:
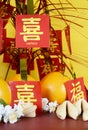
(75, 89)
(26, 91)
(32, 31)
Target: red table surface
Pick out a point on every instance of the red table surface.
(46, 122)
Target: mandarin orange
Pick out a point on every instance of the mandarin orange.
(52, 87)
(5, 92)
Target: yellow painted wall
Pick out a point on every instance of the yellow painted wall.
(79, 41)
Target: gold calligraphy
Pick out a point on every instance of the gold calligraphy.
(25, 93)
(31, 30)
(76, 91)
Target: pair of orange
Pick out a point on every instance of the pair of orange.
(52, 87)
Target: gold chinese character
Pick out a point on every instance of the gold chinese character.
(53, 46)
(54, 67)
(77, 93)
(25, 92)
(31, 29)
(46, 68)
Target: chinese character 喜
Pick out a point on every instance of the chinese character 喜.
(25, 92)
(31, 29)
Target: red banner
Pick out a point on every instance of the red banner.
(67, 34)
(9, 46)
(26, 91)
(56, 42)
(44, 68)
(75, 89)
(1, 33)
(32, 31)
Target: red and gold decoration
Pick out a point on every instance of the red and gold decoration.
(44, 68)
(31, 32)
(36, 39)
(46, 38)
(76, 90)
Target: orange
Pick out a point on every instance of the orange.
(17, 77)
(52, 87)
(5, 92)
